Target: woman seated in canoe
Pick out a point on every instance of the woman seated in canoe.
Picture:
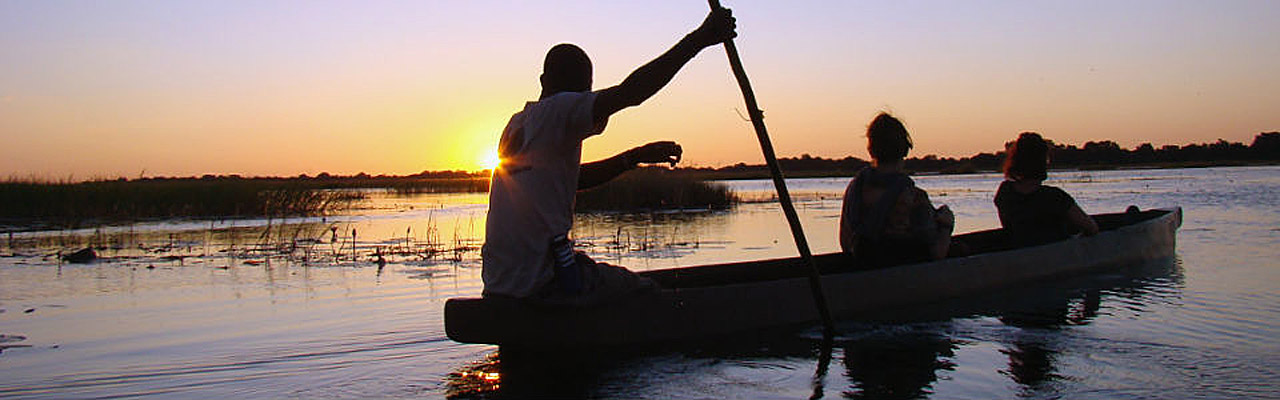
(886, 220)
(1031, 212)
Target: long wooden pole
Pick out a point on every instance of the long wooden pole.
(784, 197)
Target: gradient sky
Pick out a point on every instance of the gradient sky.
(92, 89)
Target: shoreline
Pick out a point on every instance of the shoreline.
(807, 174)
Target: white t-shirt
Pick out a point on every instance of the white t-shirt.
(531, 194)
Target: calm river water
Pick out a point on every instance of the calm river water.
(303, 307)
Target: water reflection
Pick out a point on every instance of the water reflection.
(897, 365)
(1036, 346)
(900, 354)
(1031, 351)
(516, 374)
(902, 359)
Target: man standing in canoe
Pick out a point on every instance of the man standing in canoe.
(527, 253)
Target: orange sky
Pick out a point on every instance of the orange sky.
(134, 88)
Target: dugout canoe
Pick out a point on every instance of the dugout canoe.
(724, 299)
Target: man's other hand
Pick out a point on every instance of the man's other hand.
(945, 217)
(656, 152)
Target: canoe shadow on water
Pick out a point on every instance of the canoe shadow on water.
(893, 354)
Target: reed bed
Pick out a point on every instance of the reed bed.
(34, 204)
(71, 204)
(655, 189)
(409, 187)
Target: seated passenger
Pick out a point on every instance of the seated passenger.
(886, 220)
(1031, 212)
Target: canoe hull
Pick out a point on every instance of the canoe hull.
(705, 311)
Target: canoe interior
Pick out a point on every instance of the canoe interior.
(978, 242)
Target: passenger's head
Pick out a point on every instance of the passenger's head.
(1027, 158)
(887, 139)
(566, 69)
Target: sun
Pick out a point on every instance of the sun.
(490, 161)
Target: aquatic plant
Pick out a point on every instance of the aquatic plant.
(73, 204)
(655, 189)
(409, 187)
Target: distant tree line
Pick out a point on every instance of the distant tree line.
(1092, 155)
(338, 180)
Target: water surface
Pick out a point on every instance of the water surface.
(302, 308)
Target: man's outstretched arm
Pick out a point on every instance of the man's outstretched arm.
(645, 81)
(595, 173)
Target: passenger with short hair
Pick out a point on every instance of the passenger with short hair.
(1031, 212)
(886, 220)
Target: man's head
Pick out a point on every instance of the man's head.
(566, 69)
(887, 139)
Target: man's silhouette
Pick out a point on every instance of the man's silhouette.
(527, 253)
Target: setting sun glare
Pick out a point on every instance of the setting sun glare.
(491, 160)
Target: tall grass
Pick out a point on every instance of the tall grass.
(408, 187)
(655, 189)
(73, 204)
(70, 204)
